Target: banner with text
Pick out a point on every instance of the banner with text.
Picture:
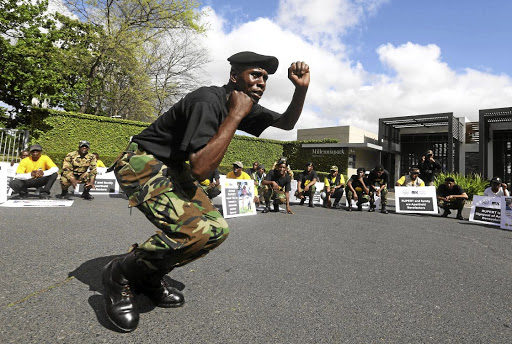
(105, 183)
(237, 197)
(506, 213)
(316, 198)
(486, 210)
(416, 199)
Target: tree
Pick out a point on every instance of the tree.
(42, 55)
(127, 60)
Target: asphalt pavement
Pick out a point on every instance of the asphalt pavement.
(318, 276)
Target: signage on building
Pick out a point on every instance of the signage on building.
(321, 152)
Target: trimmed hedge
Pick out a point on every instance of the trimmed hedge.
(473, 184)
(59, 133)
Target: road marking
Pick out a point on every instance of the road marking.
(41, 291)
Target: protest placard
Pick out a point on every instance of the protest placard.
(105, 183)
(237, 197)
(486, 210)
(506, 213)
(416, 199)
(316, 198)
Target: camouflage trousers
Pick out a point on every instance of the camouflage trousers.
(383, 196)
(361, 197)
(189, 226)
(83, 178)
(277, 197)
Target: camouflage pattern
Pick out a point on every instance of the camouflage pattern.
(74, 166)
(310, 192)
(277, 196)
(141, 176)
(361, 197)
(383, 195)
(189, 225)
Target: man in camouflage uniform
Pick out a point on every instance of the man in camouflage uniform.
(153, 174)
(79, 167)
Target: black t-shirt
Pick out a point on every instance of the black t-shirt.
(373, 178)
(443, 190)
(356, 184)
(428, 170)
(284, 182)
(190, 123)
(305, 178)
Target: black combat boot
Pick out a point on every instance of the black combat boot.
(383, 209)
(372, 208)
(311, 205)
(276, 208)
(446, 212)
(86, 195)
(302, 200)
(267, 208)
(119, 301)
(151, 283)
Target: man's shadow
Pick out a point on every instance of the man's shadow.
(91, 272)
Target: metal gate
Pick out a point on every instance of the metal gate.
(502, 155)
(12, 142)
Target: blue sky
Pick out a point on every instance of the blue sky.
(371, 58)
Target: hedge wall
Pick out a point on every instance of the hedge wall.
(59, 133)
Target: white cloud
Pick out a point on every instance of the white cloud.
(418, 81)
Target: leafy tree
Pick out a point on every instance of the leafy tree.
(126, 64)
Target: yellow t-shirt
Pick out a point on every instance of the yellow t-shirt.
(100, 163)
(328, 184)
(28, 165)
(406, 181)
(231, 175)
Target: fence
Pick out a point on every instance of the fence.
(12, 142)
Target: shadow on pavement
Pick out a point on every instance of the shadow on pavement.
(90, 273)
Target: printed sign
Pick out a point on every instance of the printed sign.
(506, 213)
(316, 198)
(416, 199)
(3, 184)
(105, 183)
(486, 210)
(10, 173)
(237, 197)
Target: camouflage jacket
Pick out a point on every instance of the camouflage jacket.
(74, 164)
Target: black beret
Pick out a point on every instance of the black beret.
(269, 63)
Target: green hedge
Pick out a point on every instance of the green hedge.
(59, 133)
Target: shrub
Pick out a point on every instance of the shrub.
(473, 184)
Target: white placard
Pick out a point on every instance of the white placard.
(316, 198)
(44, 203)
(506, 213)
(11, 173)
(422, 199)
(105, 183)
(486, 210)
(3, 184)
(237, 197)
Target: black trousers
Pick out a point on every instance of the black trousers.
(21, 186)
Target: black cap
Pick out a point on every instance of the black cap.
(269, 63)
(84, 143)
(449, 179)
(360, 169)
(309, 163)
(496, 180)
(35, 147)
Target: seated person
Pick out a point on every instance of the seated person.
(211, 185)
(411, 179)
(451, 196)
(306, 184)
(258, 177)
(497, 188)
(333, 188)
(99, 163)
(278, 182)
(35, 171)
(79, 167)
(251, 171)
(357, 189)
(23, 154)
(378, 185)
